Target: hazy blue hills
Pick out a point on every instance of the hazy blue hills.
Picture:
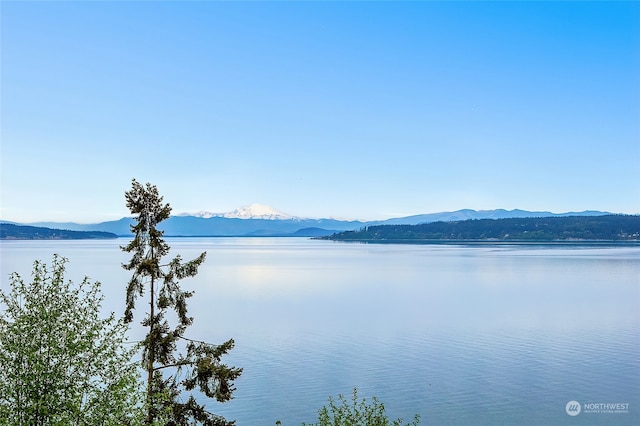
(192, 226)
(619, 228)
(467, 214)
(282, 225)
(9, 231)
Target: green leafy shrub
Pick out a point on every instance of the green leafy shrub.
(62, 362)
(357, 412)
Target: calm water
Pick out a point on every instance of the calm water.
(461, 335)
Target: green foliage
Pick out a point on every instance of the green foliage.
(356, 413)
(62, 363)
(200, 366)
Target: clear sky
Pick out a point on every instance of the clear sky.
(362, 110)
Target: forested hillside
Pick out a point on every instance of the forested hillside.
(583, 228)
(10, 231)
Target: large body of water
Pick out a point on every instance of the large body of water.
(458, 334)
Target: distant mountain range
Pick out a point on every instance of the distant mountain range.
(467, 214)
(260, 220)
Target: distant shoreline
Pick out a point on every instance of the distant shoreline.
(604, 230)
(476, 243)
(570, 230)
(574, 243)
(12, 232)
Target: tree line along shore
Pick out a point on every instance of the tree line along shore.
(609, 228)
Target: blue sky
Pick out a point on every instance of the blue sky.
(364, 110)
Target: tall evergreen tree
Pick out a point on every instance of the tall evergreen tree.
(200, 365)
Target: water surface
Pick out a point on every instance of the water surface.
(459, 334)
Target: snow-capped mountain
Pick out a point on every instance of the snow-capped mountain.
(253, 211)
(258, 211)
